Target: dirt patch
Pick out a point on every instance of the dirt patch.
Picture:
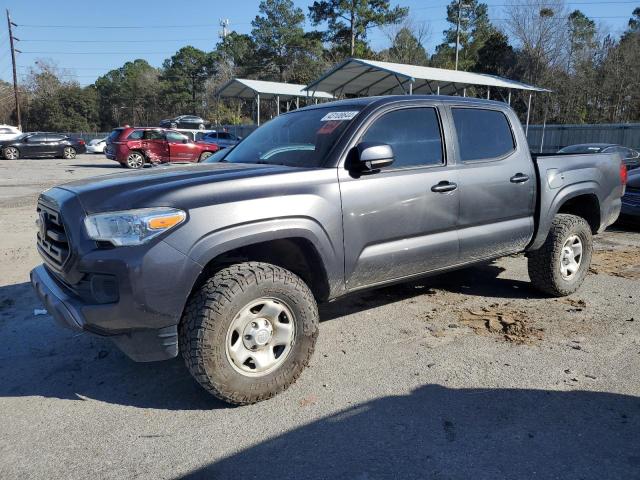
(619, 263)
(511, 324)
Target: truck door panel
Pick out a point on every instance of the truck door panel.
(394, 224)
(497, 185)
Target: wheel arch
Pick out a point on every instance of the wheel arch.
(579, 199)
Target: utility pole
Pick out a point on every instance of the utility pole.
(458, 32)
(13, 60)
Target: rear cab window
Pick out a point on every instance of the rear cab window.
(483, 134)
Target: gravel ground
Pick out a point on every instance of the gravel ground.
(471, 374)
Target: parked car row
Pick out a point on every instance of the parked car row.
(630, 157)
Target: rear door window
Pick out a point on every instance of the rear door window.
(175, 137)
(482, 134)
(136, 135)
(413, 134)
(153, 135)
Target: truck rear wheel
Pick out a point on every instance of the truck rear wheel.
(561, 264)
(248, 332)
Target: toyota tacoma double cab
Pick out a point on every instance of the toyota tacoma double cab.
(224, 262)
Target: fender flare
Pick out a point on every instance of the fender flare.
(549, 209)
(218, 242)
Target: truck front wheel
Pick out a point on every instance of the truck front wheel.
(560, 265)
(249, 331)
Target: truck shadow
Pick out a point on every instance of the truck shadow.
(481, 281)
(39, 358)
(437, 432)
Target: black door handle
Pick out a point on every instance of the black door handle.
(519, 178)
(444, 187)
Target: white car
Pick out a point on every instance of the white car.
(7, 132)
(97, 145)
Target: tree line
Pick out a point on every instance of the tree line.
(594, 76)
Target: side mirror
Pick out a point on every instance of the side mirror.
(185, 140)
(374, 156)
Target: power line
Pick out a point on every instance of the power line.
(125, 27)
(47, 40)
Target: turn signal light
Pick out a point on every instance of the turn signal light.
(169, 221)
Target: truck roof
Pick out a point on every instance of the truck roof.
(386, 99)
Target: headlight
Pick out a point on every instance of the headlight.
(132, 227)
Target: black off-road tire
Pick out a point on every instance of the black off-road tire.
(210, 312)
(544, 263)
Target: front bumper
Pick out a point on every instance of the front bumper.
(94, 149)
(141, 345)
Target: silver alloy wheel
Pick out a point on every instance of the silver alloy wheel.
(571, 257)
(205, 155)
(69, 153)
(260, 337)
(11, 153)
(135, 160)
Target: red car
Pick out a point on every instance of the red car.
(132, 147)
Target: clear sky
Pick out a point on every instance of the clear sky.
(79, 36)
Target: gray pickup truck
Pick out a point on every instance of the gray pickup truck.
(225, 262)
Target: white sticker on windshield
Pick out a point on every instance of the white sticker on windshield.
(338, 116)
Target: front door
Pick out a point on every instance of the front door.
(181, 149)
(401, 221)
(34, 145)
(497, 184)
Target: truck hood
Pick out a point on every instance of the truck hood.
(172, 185)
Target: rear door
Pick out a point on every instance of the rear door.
(54, 144)
(497, 183)
(181, 149)
(155, 145)
(396, 224)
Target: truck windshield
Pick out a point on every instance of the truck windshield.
(297, 139)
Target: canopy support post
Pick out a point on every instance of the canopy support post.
(464, 92)
(411, 88)
(258, 108)
(297, 103)
(526, 130)
(438, 90)
(488, 92)
(277, 105)
(509, 97)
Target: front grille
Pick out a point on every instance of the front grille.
(632, 197)
(52, 241)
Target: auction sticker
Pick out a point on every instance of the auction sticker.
(340, 116)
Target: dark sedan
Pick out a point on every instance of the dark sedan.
(184, 121)
(631, 198)
(42, 144)
(630, 157)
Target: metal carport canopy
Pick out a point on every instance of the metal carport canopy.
(246, 88)
(355, 76)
